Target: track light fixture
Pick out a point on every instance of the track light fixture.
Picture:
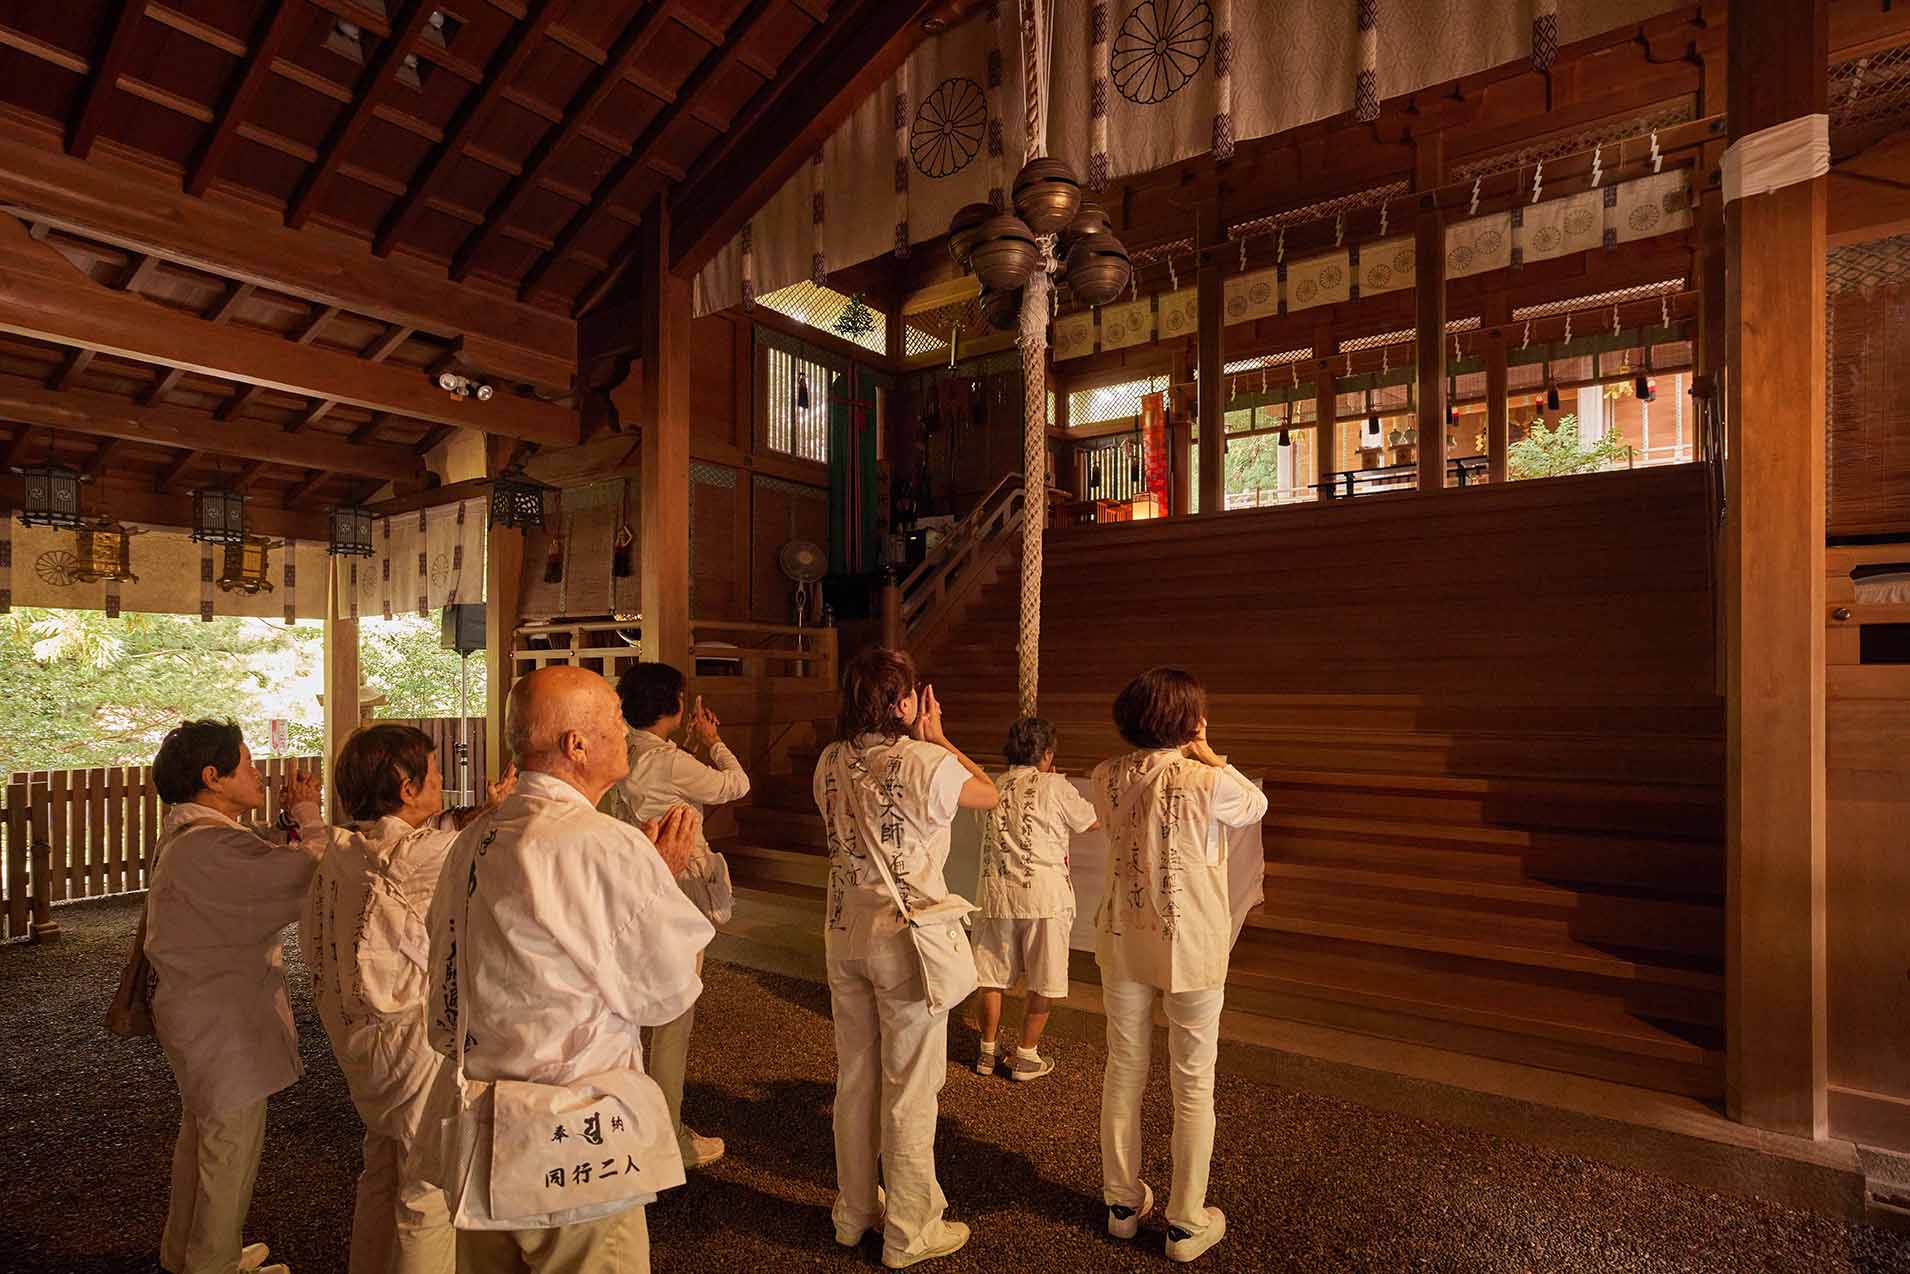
(464, 387)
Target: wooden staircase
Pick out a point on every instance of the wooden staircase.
(1486, 726)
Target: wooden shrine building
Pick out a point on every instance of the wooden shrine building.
(1504, 417)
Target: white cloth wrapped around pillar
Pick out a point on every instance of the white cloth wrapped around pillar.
(1776, 157)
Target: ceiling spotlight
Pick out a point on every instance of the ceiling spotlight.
(464, 387)
(484, 393)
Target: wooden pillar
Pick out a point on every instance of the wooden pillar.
(1709, 348)
(664, 411)
(1326, 410)
(1180, 432)
(1429, 283)
(895, 634)
(1498, 434)
(341, 685)
(1774, 591)
(503, 584)
(1213, 390)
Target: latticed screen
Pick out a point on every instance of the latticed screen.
(823, 308)
(796, 405)
(1112, 402)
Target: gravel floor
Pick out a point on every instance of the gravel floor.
(1309, 1184)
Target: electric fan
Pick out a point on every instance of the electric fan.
(805, 564)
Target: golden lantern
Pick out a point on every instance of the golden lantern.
(104, 553)
(1047, 195)
(1005, 253)
(247, 563)
(1098, 269)
(962, 228)
(1002, 310)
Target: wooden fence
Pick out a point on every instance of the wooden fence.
(98, 827)
(444, 737)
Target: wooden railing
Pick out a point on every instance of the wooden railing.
(928, 590)
(720, 648)
(87, 833)
(459, 789)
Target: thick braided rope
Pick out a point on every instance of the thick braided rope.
(1034, 399)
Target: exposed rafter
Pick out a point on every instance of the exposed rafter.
(379, 79)
(101, 85)
(236, 105)
(583, 107)
(726, 53)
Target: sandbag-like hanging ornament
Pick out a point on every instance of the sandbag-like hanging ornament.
(1005, 252)
(1545, 34)
(902, 162)
(1098, 99)
(1047, 195)
(1366, 84)
(1224, 81)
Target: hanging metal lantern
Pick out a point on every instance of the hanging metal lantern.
(350, 531)
(247, 565)
(1005, 253)
(52, 496)
(1090, 219)
(516, 501)
(218, 516)
(962, 229)
(1047, 195)
(103, 553)
(1002, 310)
(1098, 269)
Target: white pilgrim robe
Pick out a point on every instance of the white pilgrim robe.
(1024, 852)
(663, 774)
(216, 909)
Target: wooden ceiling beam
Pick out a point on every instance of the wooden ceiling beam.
(379, 80)
(786, 120)
(16, 450)
(122, 202)
(98, 463)
(88, 412)
(91, 116)
(472, 114)
(298, 491)
(723, 54)
(174, 471)
(308, 331)
(315, 413)
(158, 507)
(248, 474)
(237, 104)
(387, 345)
(70, 370)
(236, 406)
(51, 54)
(596, 90)
(42, 296)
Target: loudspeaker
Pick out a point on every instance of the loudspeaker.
(464, 628)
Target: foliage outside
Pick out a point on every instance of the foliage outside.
(79, 690)
(1555, 452)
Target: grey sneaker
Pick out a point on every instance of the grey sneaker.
(1024, 1068)
(986, 1060)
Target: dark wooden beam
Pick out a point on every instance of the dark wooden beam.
(584, 104)
(100, 457)
(387, 345)
(308, 331)
(16, 449)
(380, 78)
(1429, 297)
(76, 363)
(236, 295)
(236, 105)
(663, 410)
(472, 114)
(236, 406)
(248, 474)
(432, 439)
(138, 272)
(367, 431)
(787, 119)
(313, 414)
(124, 203)
(102, 83)
(174, 471)
(298, 491)
(145, 507)
(1210, 358)
(42, 296)
(644, 149)
(84, 411)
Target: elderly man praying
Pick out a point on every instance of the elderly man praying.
(219, 900)
(556, 933)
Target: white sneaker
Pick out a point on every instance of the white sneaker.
(1125, 1222)
(853, 1238)
(1182, 1246)
(252, 1256)
(954, 1235)
(703, 1151)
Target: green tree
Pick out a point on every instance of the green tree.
(1553, 453)
(402, 659)
(1253, 464)
(78, 689)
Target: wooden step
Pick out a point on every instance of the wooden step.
(781, 827)
(1563, 803)
(1431, 929)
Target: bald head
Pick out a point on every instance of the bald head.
(568, 723)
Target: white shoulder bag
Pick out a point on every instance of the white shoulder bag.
(940, 937)
(527, 1156)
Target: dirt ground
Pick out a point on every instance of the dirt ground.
(1309, 1183)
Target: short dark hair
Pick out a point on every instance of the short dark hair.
(1029, 739)
(872, 688)
(188, 748)
(650, 692)
(374, 764)
(1161, 708)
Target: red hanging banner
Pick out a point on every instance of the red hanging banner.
(1154, 449)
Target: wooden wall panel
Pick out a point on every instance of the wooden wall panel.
(717, 371)
(719, 574)
(1868, 445)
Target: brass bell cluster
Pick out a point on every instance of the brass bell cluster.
(1001, 248)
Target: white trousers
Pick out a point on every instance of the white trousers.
(401, 1224)
(215, 1162)
(616, 1244)
(891, 1061)
(1193, 1042)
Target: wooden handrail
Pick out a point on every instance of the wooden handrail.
(926, 592)
(1010, 483)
